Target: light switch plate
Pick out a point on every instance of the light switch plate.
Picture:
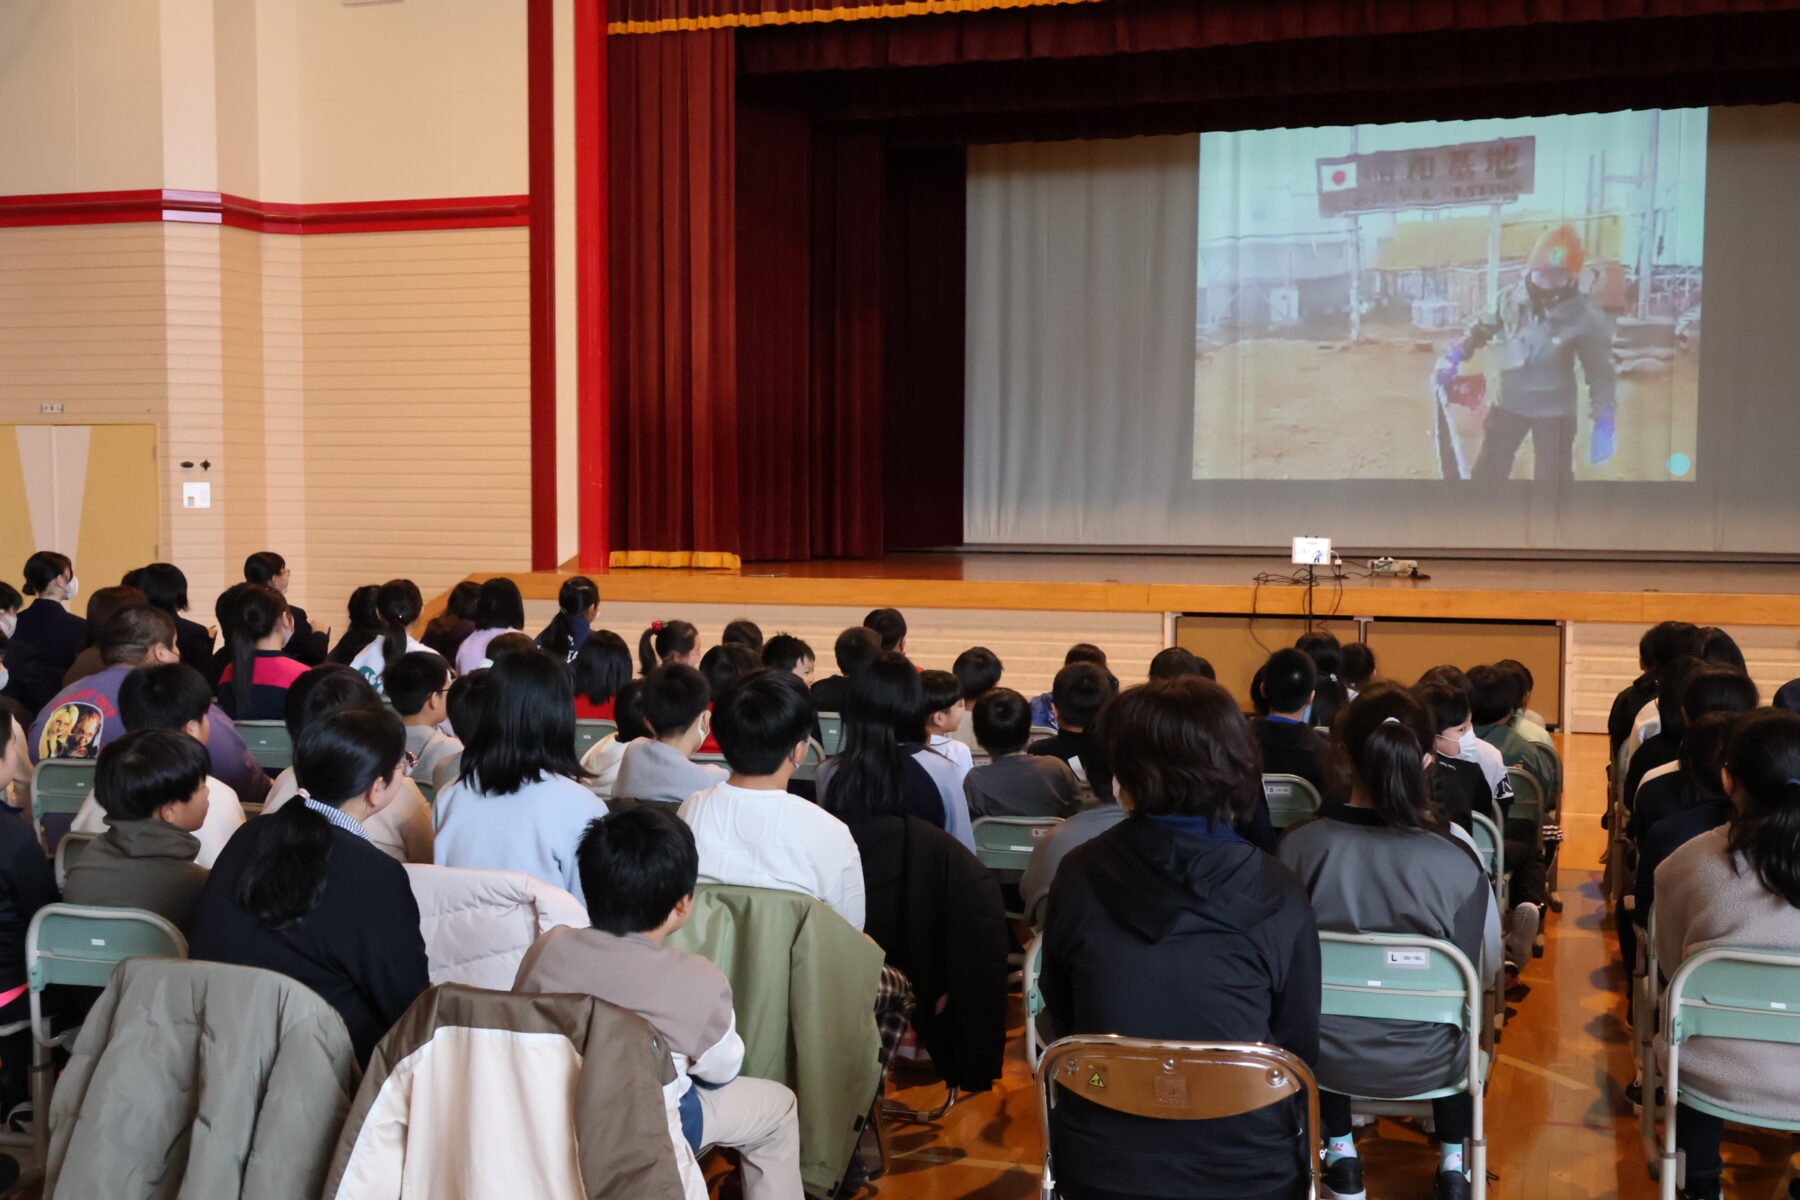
(196, 495)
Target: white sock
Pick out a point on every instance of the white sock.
(1340, 1147)
(1450, 1157)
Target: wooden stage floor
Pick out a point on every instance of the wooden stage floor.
(1706, 592)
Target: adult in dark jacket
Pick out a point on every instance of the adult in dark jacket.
(304, 892)
(1170, 925)
(48, 636)
(270, 569)
(165, 586)
(937, 914)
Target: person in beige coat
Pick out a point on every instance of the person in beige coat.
(1737, 886)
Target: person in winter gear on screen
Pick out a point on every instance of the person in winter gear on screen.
(1542, 326)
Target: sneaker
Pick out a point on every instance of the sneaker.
(1344, 1180)
(1451, 1185)
(1634, 1095)
(1522, 932)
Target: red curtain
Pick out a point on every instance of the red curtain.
(676, 459)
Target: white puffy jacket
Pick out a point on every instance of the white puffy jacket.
(478, 924)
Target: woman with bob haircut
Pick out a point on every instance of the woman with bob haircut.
(1171, 925)
(499, 608)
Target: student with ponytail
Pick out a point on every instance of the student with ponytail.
(1389, 861)
(305, 893)
(1328, 659)
(498, 609)
(1737, 886)
(668, 642)
(255, 683)
(397, 605)
(875, 774)
(577, 604)
(365, 625)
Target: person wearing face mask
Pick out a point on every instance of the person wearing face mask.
(254, 687)
(673, 703)
(10, 603)
(46, 637)
(271, 570)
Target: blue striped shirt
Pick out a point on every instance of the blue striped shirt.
(336, 817)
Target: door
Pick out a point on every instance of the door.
(89, 491)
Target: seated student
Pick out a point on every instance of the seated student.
(882, 708)
(1526, 723)
(1356, 667)
(306, 894)
(1659, 644)
(445, 632)
(1680, 807)
(1016, 784)
(1290, 746)
(171, 697)
(750, 831)
(520, 804)
(638, 868)
(498, 609)
(1328, 663)
(743, 632)
(1043, 706)
(401, 829)
(266, 568)
(1469, 747)
(254, 686)
(927, 738)
(1710, 645)
(138, 636)
(1176, 663)
(418, 686)
(1386, 861)
(464, 703)
(165, 586)
(152, 784)
(978, 670)
(890, 626)
(602, 667)
(1737, 886)
(1458, 785)
(603, 758)
(1493, 706)
(1169, 925)
(667, 643)
(508, 643)
(1077, 829)
(853, 650)
(397, 606)
(364, 628)
(27, 883)
(1691, 691)
(46, 636)
(785, 652)
(944, 716)
(577, 604)
(100, 607)
(673, 704)
(723, 666)
(1078, 693)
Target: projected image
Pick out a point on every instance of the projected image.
(1452, 300)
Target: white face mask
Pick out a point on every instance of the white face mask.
(3, 677)
(8, 623)
(1466, 743)
(74, 588)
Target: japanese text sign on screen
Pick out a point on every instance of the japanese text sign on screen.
(1495, 172)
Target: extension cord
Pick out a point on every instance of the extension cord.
(1393, 566)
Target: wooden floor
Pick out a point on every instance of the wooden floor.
(1558, 1124)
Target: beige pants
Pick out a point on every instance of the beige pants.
(755, 1117)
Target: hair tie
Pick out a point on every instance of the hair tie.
(656, 625)
(1794, 782)
(1391, 721)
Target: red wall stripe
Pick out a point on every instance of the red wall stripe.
(593, 288)
(540, 31)
(218, 208)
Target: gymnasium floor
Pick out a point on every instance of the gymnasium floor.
(1558, 1124)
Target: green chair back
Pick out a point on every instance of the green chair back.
(69, 849)
(1291, 799)
(80, 944)
(1490, 845)
(831, 732)
(589, 731)
(1528, 797)
(1006, 843)
(426, 789)
(60, 785)
(1752, 995)
(1399, 977)
(809, 769)
(268, 743)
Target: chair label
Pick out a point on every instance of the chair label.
(1409, 960)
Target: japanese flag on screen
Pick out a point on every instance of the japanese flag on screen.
(1337, 177)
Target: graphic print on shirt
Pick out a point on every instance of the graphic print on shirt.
(73, 729)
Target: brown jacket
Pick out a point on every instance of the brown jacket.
(140, 864)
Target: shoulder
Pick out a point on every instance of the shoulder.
(1705, 857)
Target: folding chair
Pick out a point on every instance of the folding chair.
(591, 730)
(1404, 977)
(68, 852)
(1181, 1081)
(78, 945)
(1724, 992)
(1491, 846)
(1004, 845)
(1034, 1000)
(59, 787)
(1291, 799)
(831, 732)
(269, 744)
(809, 769)
(1529, 805)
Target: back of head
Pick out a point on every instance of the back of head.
(672, 698)
(1703, 751)
(760, 718)
(1357, 665)
(1671, 685)
(1494, 695)
(743, 632)
(978, 669)
(942, 691)
(636, 865)
(464, 598)
(1176, 663)
(602, 666)
(467, 703)
(1710, 689)
(43, 569)
(1449, 676)
(165, 696)
(1763, 759)
(10, 599)
(263, 567)
(1084, 652)
(163, 585)
(1527, 684)
(1325, 650)
(509, 644)
(1721, 649)
(888, 625)
(147, 768)
(327, 688)
(1788, 696)
(256, 611)
(1181, 747)
(727, 663)
(855, 648)
(627, 717)
(883, 702)
(664, 638)
(1002, 722)
(785, 652)
(1382, 740)
(413, 679)
(1662, 644)
(397, 605)
(578, 596)
(132, 633)
(1446, 707)
(526, 730)
(1080, 690)
(364, 607)
(108, 600)
(1288, 681)
(499, 605)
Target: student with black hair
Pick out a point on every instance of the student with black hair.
(27, 883)
(102, 604)
(743, 632)
(1043, 705)
(1690, 690)
(1737, 886)
(674, 704)
(418, 686)
(978, 669)
(1659, 645)
(165, 586)
(1676, 809)
(153, 785)
(854, 649)
(723, 666)
(1290, 745)
(397, 605)
(10, 604)
(1077, 695)
(269, 569)
(1328, 661)
(1014, 783)
(305, 893)
(927, 739)
(254, 686)
(511, 642)
(577, 604)
(46, 636)
(890, 627)
(520, 803)
(1461, 787)
(466, 704)
(667, 643)
(1387, 860)
(751, 832)
(1710, 645)
(1174, 662)
(639, 867)
(945, 716)
(1356, 666)
(785, 652)
(364, 628)
(875, 772)
(602, 668)
(445, 632)
(1494, 697)
(498, 609)
(604, 757)
(1526, 723)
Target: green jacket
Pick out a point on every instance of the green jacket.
(803, 981)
